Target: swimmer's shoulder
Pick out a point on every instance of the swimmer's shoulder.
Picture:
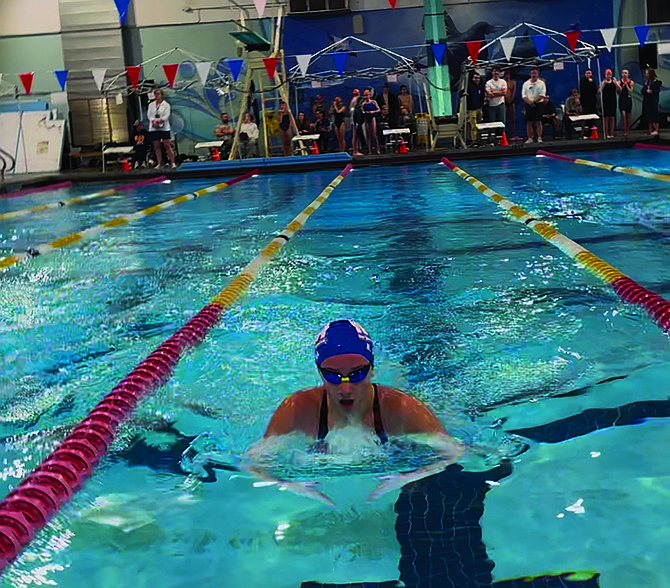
(403, 414)
(298, 412)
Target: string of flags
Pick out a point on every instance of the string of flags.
(235, 66)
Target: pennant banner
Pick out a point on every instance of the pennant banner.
(270, 64)
(608, 37)
(27, 81)
(203, 70)
(642, 31)
(540, 43)
(438, 52)
(508, 46)
(473, 49)
(122, 7)
(392, 3)
(99, 76)
(170, 71)
(340, 60)
(61, 76)
(235, 67)
(260, 7)
(133, 72)
(572, 37)
(303, 63)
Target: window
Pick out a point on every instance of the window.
(311, 6)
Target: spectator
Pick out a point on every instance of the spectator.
(573, 107)
(159, 127)
(510, 103)
(496, 90)
(356, 115)
(248, 137)
(390, 100)
(625, 90)
(322, 127)
(475, 104)
(370, 111)
(405, 99)
(225, 131)
(141, 145)
(549, 116)
(303, 125)
(534, 93)
(650, 94)
(338, 112)
(588, 91)
(319, 104)
(284, 116)
(608, 90)
(383, 124)
(406, 121)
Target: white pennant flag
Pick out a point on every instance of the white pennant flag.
(608, 37)
(260, 7)
(99, 76)
(0, 78)
(508, 46)
(203, 70)
(303, 63)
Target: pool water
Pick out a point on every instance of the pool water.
(498, 331)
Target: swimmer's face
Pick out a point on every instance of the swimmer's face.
(349, 398)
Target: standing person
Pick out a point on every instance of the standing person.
(475, 105)
(389, 99)
(159, 127)
(356, 116)
(319, 105)
(248, 137)
(284, 116)
(338, 111)
(510, 103)
(608, 90)
(496, 90)
(348, 399)
(650, 94)
(588, 91)
(625, 90)
(370, 111)
(534, 93)
(405, 99)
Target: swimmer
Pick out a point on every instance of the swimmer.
(348, 397)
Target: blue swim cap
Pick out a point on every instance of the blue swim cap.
(342, 337)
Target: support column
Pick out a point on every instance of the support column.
(436, 32)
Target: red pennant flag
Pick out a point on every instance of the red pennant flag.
(572, 39)
(473, 49)
(133, 72)
(392, 3)
(170, 70)
(270, 64)
(27, 81)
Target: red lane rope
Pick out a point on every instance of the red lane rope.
(648, 146)
(58, 186)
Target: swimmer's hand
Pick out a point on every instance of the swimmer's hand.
(394, 481)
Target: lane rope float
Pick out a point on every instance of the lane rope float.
(76, 199)
(53, 187)
(628, 290)
(633, 171)
(650, 146)
(44, 248)
(28, 507)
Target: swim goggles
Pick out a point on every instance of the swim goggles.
(353, 377)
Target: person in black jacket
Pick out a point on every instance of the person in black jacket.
(588, 90)
(650, 94)
(475, 105)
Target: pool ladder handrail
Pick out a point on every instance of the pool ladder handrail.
(3, 169)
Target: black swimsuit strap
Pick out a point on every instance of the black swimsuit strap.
(376, 413)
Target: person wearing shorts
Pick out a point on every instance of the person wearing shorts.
(159, 128)
(534, 93)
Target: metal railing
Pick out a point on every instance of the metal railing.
(4, 157)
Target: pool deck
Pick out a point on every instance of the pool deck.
(212, 169)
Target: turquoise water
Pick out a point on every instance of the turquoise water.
(470, 311)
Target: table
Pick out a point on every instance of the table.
(117, 150)
(299, 138)
(209, 145)
(393, 135)
(579, 121)
(490, 129)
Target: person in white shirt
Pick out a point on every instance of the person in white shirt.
(534, 94)
(248, 137)
(159, 127)
(496, 88)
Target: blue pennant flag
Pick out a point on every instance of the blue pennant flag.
(540, 43)
(61, 76)
(438, 52)
(340, 60)
(642, 31)
(122, 7)
(235, 66)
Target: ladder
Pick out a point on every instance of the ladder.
(271, 91)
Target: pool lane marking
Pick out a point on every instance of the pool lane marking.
(633, 171)
(29, 506)
(627, 289)
(52, 187)
(76, 199)
(44, 248)
(650, 146)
